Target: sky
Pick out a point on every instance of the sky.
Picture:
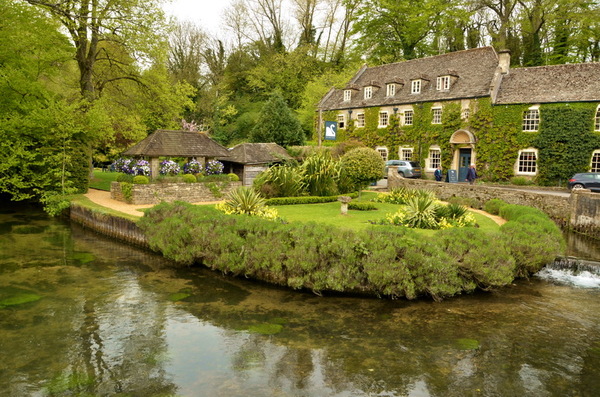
(205, 13)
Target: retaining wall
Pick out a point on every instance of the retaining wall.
(154, 193)
(120, 228)
(585, 212)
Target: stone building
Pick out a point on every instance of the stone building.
(471, 107)
(247, 160)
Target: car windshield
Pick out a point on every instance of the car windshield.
(414, 164)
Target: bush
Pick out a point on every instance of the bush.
(125, 178)
(214, 167)
(520, 181)
(280, 181)
(233, 177)
(361, 206)
(493, 206)
(466, 201)
(305, 199)
(245, 201)
(141, 180)
(189, 178)
(362, 166)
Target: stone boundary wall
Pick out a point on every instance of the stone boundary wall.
(109, 225)
(155, 193)
(585, 213)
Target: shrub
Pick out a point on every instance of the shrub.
(245, 201)
(122, 165)
(214, 167)
(189, 178)
(361, 206)
(520, 181)
(233, 177)
(493, 206)
(280, 181)
(169, 167)
(125, 178)
(140, 180)
(466, 201)
(319, 172)
(192, 167)
(362, 166)
(305, 199)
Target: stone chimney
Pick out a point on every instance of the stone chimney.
(504, 61)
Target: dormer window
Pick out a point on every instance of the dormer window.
(415, 86)
(391, 89)
(347, 95)
(443, 83)
(368, 92)
(531, 119)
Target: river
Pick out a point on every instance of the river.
(83, 315)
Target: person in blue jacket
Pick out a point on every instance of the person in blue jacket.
(438, 173)
(471, 174)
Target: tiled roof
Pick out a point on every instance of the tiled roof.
(177, 144)
(557, 83)
(471, 73)
(257, 153)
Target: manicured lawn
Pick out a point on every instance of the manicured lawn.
(101, 180)
(330, 214)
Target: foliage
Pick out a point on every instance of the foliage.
(213, 167)
(319, 172)
(401, 195)
(520, 181)
(233, 177)
(169, 167)
(493, 206)
(189, 178)
(244, 201)
(276, 123)
(192, 167)
(282, 180)
(305, 199)
(361, 206)
(380, 261)
(126, 189)
(362, 166)
(140, 180)
(215, 189)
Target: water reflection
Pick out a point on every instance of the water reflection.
(114, 320)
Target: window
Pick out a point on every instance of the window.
(347, 95)
(435, 158)
(415, 87)
(597, 123)
(595, 167)
(360, 120)
(383, 152)
(368, 92)
(391, 89)
(408, 117)
(341, 121)
(437, 116)
(531, 119)
(465, 114)
(383, 119)
(527, 162)
(406, 153)
(443, 83)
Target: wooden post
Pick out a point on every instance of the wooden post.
(320, 128)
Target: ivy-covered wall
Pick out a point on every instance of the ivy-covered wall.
(565, 140)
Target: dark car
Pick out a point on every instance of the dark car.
(406, 169)
(585, 180)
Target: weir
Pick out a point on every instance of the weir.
(573, 271)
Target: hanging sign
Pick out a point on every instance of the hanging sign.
(331, 130)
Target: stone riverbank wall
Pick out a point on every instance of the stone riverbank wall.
(109, 225)
(154, 193)
(580, 211)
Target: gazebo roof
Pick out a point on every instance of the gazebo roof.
(177, 144)
(257, 153)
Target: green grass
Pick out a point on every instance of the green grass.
(101, 180)
(330, 214)
(86, 202)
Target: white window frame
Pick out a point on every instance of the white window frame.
(360, 120)
(347, 95)
(443, 83)
(405, 153)
(391, 89)
(531, 119)
(597, 119)
(415, 86)
(368, 91)
(384, 119)
(526, 166)
(595, 161)
(341, 120)
(408, 120)
(383, 151)
(436, 115)
(434, 159)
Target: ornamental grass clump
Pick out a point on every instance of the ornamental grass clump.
(244, 201)
(280, 181)
(422, 211)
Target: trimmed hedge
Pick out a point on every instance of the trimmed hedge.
(392, 262)
(305, 199)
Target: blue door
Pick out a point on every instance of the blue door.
(464, 161)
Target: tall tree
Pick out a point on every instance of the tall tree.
(98, 27)
(278, 124)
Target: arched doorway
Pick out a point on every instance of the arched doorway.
(463, 142)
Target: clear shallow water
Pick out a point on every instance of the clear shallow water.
(83, 315)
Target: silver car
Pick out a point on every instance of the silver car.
(406, 169)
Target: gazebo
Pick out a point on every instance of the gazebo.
(169, 143)
(247, 160)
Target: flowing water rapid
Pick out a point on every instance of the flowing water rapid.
(82, 315)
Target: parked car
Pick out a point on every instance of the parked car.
(585, 180)
(406, 169)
